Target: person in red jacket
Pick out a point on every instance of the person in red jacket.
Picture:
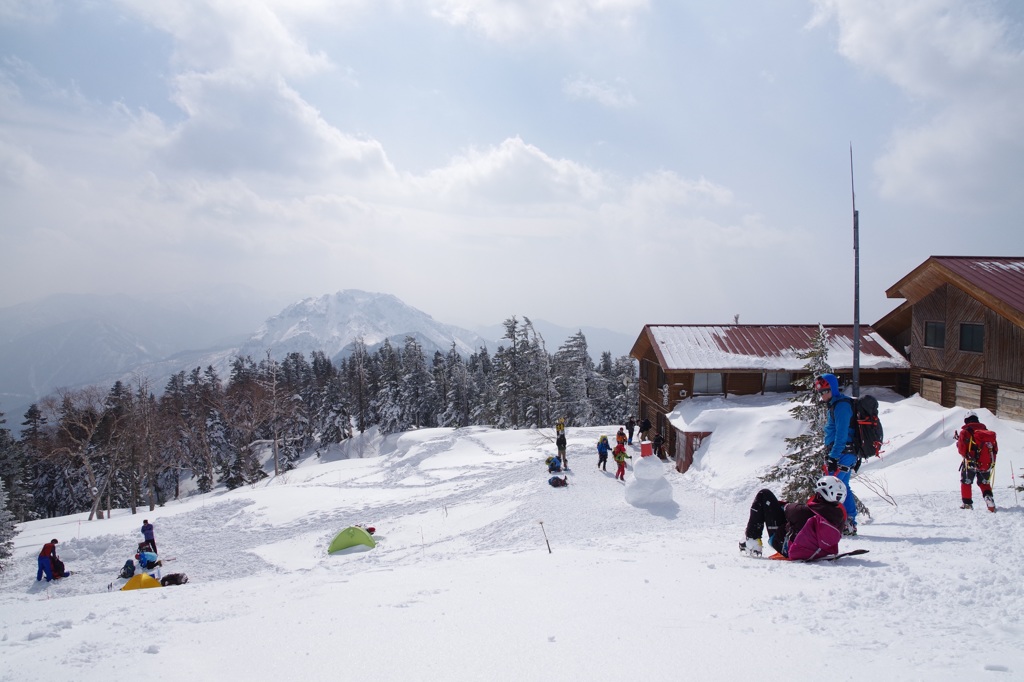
(45, 565)
(977, 464)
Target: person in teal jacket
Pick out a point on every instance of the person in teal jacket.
(840, 454)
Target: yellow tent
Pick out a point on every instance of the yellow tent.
(141, 582)
(351, 537)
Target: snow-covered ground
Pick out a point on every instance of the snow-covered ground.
(462, 587)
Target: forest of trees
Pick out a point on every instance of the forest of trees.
(94, 450)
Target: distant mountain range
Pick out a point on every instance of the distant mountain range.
(73, 340)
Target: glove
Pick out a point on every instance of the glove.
(831, 465)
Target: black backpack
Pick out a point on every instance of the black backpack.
(128, 570)
(867, 428)
(174, 579)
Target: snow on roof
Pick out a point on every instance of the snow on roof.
(766, 347)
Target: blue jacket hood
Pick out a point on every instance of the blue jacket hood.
(833, 384)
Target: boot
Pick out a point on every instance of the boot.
(990, 503)
(850, 529)
(967, 505)
(751, 546)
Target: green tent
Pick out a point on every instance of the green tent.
(351, 537)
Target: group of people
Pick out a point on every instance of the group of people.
(812, 529)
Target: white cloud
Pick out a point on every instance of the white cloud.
(963, 64)
(612, 95)
(503, 20)
(513, 173)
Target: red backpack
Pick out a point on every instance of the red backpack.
(983, 449)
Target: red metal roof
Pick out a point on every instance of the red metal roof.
(997, 282)
(764, 347)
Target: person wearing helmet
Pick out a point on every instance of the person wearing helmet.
(840, 453)
(977, 445)
(796, 530)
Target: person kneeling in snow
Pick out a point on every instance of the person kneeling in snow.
(148, 560)
(556, 482)
(554, 465)
(797, 530)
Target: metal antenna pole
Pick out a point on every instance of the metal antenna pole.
(856, 284)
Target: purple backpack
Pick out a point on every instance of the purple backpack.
(818, 538)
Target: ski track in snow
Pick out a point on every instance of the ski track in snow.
(938, 597)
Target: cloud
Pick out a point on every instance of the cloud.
(964, 64)
(240, 125)
(512, 174)
(613, 96)
(502, 20)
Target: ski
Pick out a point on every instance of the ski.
(852, 552)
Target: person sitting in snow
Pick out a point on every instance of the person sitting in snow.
(620, 460)
(796, 530)
(554, 464)
(558, 481)
(602, 453)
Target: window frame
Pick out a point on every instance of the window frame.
(975, 337)
(937, 329)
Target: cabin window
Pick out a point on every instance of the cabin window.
(707, 383)
(935, 334)
(972, 337)
(778, 382)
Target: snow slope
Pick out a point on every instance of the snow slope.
(462, 587)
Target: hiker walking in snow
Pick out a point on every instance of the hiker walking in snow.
(620, 460)
(659, 443)
(147, 532)
(977, 445)
(561, 444)
(630, 426)
(840, 448)
(645, 429)
(620, 437)
(45, 560)
(602, 453)
(797, 530)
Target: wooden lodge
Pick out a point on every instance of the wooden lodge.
(678, 362)
(962, 326)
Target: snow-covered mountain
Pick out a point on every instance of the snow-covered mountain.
(332, 322)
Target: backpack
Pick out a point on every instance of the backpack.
(557, 482)
(818, 538)
(867, 428)
(174, 579)
(983, 449)
(128, 570)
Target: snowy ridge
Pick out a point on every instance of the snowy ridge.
(331, 322)
(461, 585)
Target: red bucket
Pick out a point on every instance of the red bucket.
(646, 449)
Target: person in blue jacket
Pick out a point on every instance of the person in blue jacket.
(840, 455)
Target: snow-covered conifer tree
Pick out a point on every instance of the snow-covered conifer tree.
(800, 468)
(7, 529)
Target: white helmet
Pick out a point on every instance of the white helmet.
(831, 488)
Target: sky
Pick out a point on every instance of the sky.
(462, 585)
(606, 163)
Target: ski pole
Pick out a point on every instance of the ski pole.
(545, 536)
(1014, 480)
